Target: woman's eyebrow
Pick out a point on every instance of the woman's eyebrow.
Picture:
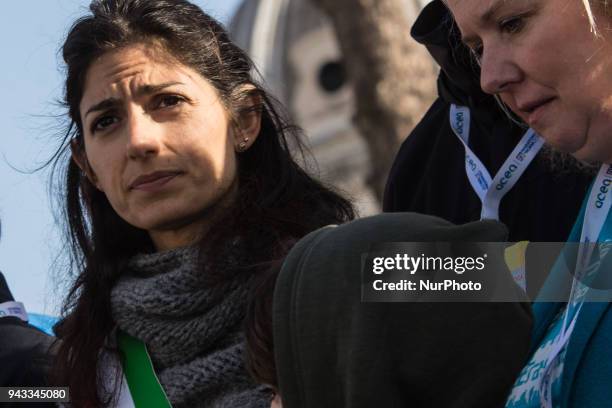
(142, 90)
(148, 89)
(105, 104)
(485, 18)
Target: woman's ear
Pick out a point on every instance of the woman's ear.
(79, 157)
(248, 124)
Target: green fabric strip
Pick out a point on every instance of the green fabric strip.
(144, 386)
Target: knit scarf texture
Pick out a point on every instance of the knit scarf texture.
(193, 333)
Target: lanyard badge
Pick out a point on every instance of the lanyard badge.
(490, 191)
(595, 215)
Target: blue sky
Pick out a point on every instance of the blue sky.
(31, 81)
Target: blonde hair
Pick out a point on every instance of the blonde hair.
(589, 11)
(603, 5)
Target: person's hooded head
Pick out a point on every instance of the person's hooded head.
(312, 338)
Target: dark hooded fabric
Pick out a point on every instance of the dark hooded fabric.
(428, 175)
(332, 350)
(5, 292)
(24, 350)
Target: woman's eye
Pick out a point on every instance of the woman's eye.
(512, 25)
(167, 101)
(103, 123)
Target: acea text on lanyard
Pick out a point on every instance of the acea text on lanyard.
(13, 309)
(595, 215)
(492, 190)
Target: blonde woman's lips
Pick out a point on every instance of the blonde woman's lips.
(533, 111)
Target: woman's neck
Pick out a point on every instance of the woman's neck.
(165, 239)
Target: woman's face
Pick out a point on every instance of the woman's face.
(158, 143)
(542, 59)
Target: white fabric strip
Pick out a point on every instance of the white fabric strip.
(14, 309)
(491, 191)
(595, 215)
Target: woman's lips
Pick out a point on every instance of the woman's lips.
(154, 181)
(536, 111)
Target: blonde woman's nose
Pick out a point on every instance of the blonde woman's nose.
(498, 73)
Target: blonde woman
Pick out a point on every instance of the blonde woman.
(550, 62)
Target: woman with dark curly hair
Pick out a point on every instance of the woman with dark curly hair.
(180, 191)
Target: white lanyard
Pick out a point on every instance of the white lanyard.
(13, 309)
(491, 191)
(595, 215)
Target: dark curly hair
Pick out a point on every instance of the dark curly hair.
(278, 201)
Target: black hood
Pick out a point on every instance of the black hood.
(5, 293)
(333, 350)
(459, 76)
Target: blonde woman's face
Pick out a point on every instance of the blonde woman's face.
(542, 59)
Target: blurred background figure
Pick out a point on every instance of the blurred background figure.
(24, 349)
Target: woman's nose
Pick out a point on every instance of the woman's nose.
(143, 136)
(498, 72)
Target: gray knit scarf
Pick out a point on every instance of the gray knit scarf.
(192, 332)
